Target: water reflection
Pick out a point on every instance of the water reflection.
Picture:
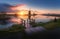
(18, 20)
(38, 18)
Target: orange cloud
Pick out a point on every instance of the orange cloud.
(18, 6)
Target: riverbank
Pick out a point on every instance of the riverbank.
(13, 28)
(51, 25)
(18, 31)
(48, 25)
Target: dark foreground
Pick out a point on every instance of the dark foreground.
(23, 35)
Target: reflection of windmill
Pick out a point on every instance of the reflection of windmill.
(33, 17)
(29, 16)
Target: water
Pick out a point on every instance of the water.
(6, 26)
(38, 18)
(35, 30)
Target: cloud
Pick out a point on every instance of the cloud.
(4, 7)
(17, 7)
(10, 8)
(21, 5)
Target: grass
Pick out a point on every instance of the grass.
(49, 25)
(14, 28)
(15, 31)
(37, 24)
(52, 25)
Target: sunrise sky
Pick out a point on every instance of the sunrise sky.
(42, 6)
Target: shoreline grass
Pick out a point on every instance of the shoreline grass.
(49, 25)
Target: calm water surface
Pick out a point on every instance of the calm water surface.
(38, 18)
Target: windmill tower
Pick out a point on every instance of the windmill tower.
(29, 16)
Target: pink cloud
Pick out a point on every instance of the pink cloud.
(18, 6)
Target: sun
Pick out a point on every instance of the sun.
(20, 13)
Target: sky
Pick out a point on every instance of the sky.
(38, 4)
(54, 4)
